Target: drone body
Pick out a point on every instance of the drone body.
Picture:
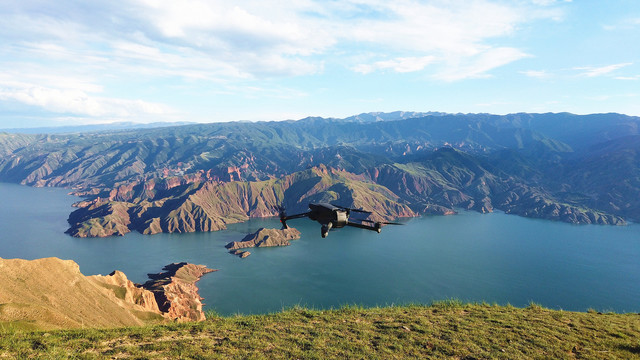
(332, 217)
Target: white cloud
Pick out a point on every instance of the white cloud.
(455, 35)
(549, 2)
(37, 76)
(590, 71)
(623, 24)
(401, 65)
(479, 66)
(539, 74)
(259, 38)
(261, 92)
(75, 101)
(454, 27)
(611, 96)
(76, 57)
(493, 104)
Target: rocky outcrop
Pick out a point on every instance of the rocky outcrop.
(240, 253)
(433, 209)
(264, 238)
(100, 220)
(128, 292)
(52, 294)
(176, 292)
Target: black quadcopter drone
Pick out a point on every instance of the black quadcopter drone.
(332, 216)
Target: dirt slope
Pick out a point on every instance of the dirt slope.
(52, 293)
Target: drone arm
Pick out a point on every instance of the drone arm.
(350, 209)
(296, 216)
(283, 219)
(375, 227)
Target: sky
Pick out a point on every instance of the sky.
(92, 62)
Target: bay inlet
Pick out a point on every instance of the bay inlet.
(471, 257)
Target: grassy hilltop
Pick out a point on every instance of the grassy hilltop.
(443, 330)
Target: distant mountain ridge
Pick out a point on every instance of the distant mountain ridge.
(574, 168)
(70, 129)
(376, 116)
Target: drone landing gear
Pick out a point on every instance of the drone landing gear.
(324, 230)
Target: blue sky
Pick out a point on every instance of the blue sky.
(87, 62)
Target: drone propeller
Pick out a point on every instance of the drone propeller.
(283, 216)
(360, 211)
(383, 222)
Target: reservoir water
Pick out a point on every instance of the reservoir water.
(496, 258)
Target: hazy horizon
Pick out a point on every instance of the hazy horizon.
(134, 124)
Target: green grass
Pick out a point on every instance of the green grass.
(447, 329)
(119, 291)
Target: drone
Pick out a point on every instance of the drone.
(332, 216)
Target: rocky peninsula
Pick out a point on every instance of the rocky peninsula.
(176, 292)
(190, 205)
(51, 293)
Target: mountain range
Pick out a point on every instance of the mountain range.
(199, 177)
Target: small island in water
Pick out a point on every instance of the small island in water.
(263, 238)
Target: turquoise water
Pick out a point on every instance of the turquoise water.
(472, 257)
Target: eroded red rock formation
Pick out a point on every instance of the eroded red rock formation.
(176, 292)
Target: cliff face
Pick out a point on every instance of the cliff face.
(210, 206)
(266, 237)
(530, 202)
(127, 292)
(52, 294)
(449, 178)
(176, 292)
(101, 220)
(445, 179)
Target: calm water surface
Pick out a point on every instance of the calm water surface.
(473, 257)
